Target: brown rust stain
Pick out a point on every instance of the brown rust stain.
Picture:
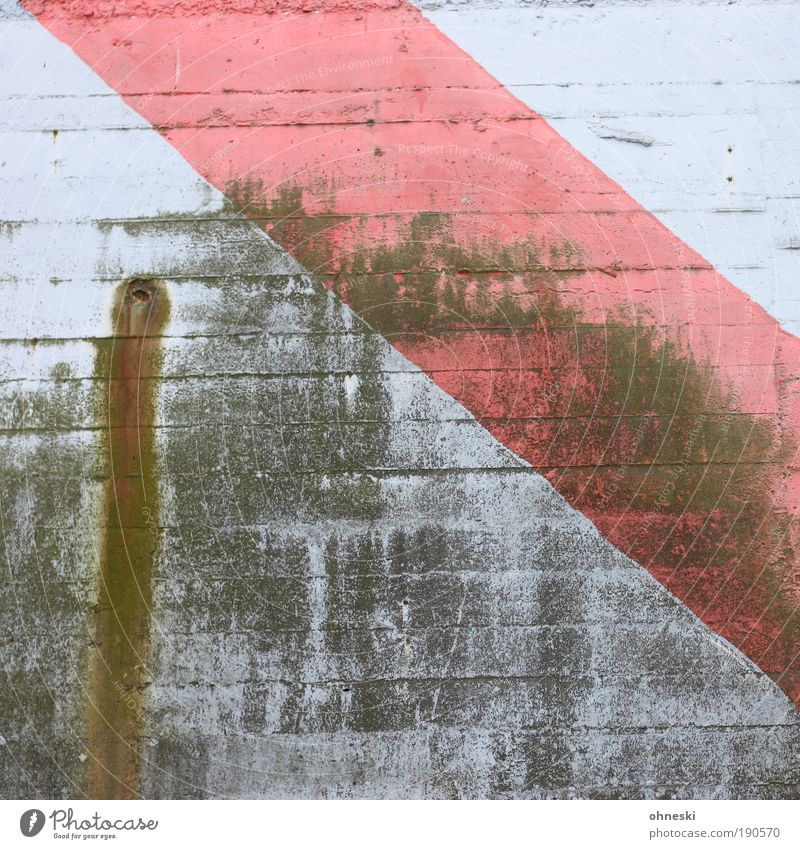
(120, 674)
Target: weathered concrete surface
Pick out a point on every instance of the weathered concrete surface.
(659, 399)
(356, 590)
(692, 106)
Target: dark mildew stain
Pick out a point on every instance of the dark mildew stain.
(122, 632)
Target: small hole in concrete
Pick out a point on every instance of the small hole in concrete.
(140, 290)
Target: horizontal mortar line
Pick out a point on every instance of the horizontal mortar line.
(581, 368)
(746, 464)
(284, 120)
(273, 614)
(224, 475)
(493, 91)
(389, 472)
(311, 286)
(495, 449)
(554, 676)
(635, 209)
(615, 578)
(333, 424)
(221, 425)
(584, 115)
(591, 416)
(384, 535)
(534, 677)
(321, 525)
(36, 396)
(250, 334)
(365, 331)
(397, 633)
(244, 464)
(347, 577)
(618, 579)
(296, 214)
(229, 215)
(275, 639)
(271, 289)
(272, 91)
(299, 656)
(384, 530)
(386, 565)
(611, 270)
(634, 790)
(220, 375)
(418, 375)
(354, 475)
(434, 728)
(250, 218)
(452, 722)
(311, 292)
(511, 328)
(574, 705)
(358, 333)
(501, 90)
(322, 271)
(654, 83)
(264, 432)
(484, 117)
(691, 790)
(671, 628)
(177, 599)
(384, 527)
(496, 92)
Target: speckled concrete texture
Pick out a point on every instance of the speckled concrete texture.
(353, 588)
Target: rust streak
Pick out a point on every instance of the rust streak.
(120, 673)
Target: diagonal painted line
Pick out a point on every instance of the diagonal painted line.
(658, 398)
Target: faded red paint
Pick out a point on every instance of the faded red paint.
(338, 130)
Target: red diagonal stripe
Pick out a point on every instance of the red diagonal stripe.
(659, 399)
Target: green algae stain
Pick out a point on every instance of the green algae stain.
(120, 674)
(644, 439)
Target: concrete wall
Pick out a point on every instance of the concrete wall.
(252, 548)
(691, 106)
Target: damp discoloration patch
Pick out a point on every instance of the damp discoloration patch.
(671, 455)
